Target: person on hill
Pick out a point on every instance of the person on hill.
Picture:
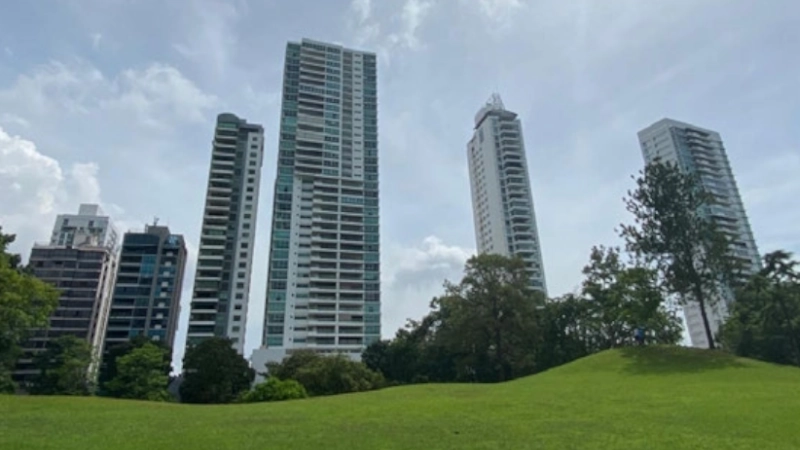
(638, 335)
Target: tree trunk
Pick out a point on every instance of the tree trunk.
(698, 293)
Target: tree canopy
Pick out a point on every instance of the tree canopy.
(25, 303)
(765, 319)
(142, 374)
(64, 368)
(673, 232)
(214, 373)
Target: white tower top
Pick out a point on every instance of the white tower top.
(495, 103)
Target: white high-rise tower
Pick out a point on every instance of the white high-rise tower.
(700, 151)
(502, 204)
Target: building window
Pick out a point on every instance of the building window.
(239, 285)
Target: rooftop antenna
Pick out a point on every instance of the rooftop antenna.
(496, 101)
(155, 221)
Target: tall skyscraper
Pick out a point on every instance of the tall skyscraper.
(323, 288)
(225, 257)
(700, 151)
(80, 261)
(147, 292)
(502, 204)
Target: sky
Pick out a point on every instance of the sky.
(114, 102)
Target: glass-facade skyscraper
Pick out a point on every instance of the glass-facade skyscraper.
(147, 292)
(323, 290)
(701, 152)
(225, 257)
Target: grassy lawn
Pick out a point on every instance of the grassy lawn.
(649, 398)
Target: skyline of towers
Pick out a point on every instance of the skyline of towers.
(502, 202)
(700, 151)
(323, 285)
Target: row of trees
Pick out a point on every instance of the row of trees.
(488, 327)
(215, 373)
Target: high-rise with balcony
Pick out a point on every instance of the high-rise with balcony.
(701, 152)
(147, 292)
(502, 203)
(80, 261)
(323, 289)
(225, 255)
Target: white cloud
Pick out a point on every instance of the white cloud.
(412, 275)
(35, 189)
(210, 36)
(413, 15)
(14, 119)
(156, 95)
(96, 38)
(498, 10)
(362, 8)
(160, 89)
(8, 51)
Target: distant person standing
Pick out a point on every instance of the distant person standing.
(638, 334)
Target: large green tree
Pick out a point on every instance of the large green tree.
(109, 370)
(621, 298)
(142, 374)
(63, 368)
(765, 319)
(25, 303)
(326, 374)
(674, 233)
(214, 373)
(488, 321)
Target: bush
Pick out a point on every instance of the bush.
(275, 390)
(326, 375)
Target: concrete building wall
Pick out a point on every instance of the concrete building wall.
(220, 296)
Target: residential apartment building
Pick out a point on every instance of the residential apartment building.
(147, 292)
(323, 289)
(225, 256)
(700, 151)
(80, 261)
(502, 203)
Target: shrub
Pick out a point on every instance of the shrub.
(275, 390)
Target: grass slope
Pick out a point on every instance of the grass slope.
(649, 398)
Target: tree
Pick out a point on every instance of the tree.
(565, 327)
(141, 374)
(25, 303)
(489, 321)
(214, 373)
(326, 375)
(63, 368)
(622, 298)
(108, 369)
(275, 390)
(674, 233)
(765, 319)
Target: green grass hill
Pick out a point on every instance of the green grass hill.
(651, 398)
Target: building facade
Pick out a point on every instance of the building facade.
(89, 226)
(323, 290)
(502, 203)
(225, 257)
(84, 276)
(700, 151)
(147, 292)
